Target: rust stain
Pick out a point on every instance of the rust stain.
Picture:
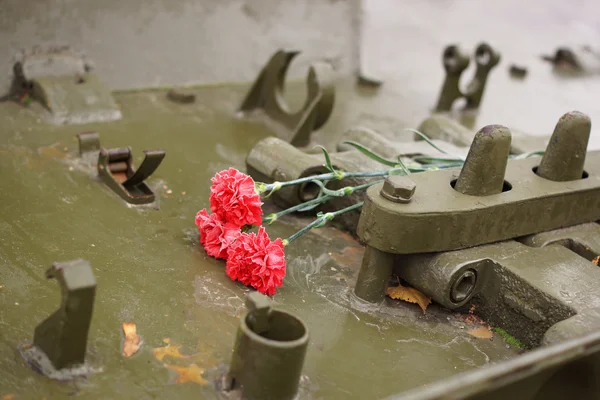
(51, 151)
(482, 332)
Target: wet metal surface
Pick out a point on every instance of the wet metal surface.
(151, 270)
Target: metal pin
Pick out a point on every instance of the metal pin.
(485, 166)
(565, 153)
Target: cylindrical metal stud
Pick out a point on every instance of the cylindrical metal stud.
(565, 153)
(374, 275)
(485, 166)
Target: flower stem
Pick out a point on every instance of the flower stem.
(321, 221)
(269, 219)
(338, 175)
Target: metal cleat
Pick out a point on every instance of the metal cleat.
(60, 341)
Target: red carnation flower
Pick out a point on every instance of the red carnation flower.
(215, 235)
(234, 199)
(256, 261)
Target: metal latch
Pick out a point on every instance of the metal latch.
(115, 168)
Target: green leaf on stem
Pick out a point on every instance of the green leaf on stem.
(425, 138)
(372, 155)
(403, 167)
(327, 164)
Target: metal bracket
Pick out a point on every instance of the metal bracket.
(115, 168)
(60, 341)
(489, 200)
(62, 82)
(266, 93)
(455, 62)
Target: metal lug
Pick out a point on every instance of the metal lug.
(455, 62)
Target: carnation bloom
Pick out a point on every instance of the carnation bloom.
(256, 261)
(234, 199)
(215, 235)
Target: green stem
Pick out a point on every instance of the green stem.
(269, 219)
(321, 221)
(339, 175)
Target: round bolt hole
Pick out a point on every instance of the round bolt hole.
(464, 286)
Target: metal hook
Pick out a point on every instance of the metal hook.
(266, 94)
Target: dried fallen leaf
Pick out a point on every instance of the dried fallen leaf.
(483, 332)
(132, 339)
(168, 350)
(596, 260)
(410, 295)
(193, 373)
(9, 397)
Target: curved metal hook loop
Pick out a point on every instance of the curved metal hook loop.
(266, 94)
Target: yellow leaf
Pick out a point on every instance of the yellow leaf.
(410, 295)
(193, 373)
(483, 332)
(132, 339)
(168, 350)
(596, 260)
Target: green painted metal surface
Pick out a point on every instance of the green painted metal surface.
(151, 270)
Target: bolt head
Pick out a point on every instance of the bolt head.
(398, 188)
